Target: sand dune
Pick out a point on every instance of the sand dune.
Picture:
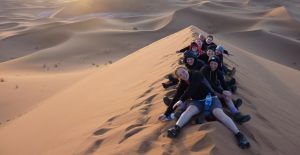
(84, 77)
(128, 123)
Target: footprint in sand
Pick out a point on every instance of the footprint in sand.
(145, 93)
(101, 131)
(144, 147)
(131, 133)
(146, 101)
(201, 144)
(94, 147)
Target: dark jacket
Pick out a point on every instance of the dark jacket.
(204, 57)
(198, 64)
(190, 48)
(205, 45)
(195, 88)
(215, 78)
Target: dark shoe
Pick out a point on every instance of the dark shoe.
(237, 103)
(167, 101)
(232, 81)
(174, 131)
(233, 89)
(242, 141)
(240, 119)
(168, 84)
(173, 79)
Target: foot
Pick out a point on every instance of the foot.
(233, 88)
(232, 81)
(237, 103)
(242, 141)
(174, 131)
(167, 101)
(168, 84)
(240, 119)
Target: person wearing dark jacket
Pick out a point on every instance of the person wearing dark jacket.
(193, 85)
(208, 42)
(209, 53)
(219, 52)
(197, 45)
(216, 80)
(191, 62)
(194, 47)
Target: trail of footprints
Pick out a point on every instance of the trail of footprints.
(143, 108)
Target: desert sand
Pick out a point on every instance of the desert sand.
(84, 76)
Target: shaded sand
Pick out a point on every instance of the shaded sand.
(76, 77)
(119, 115)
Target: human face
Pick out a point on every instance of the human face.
(194, 48)
(210, 53)
(209, 40)
(182, 74)
(202, 37)
(190, 61)
(213, 65)
(218, 52)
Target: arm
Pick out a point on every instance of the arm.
(184, 49)
(222, 80)
(195, 81)
(181, 87)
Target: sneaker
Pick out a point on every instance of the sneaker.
(240, 119)
(174, 131)
(242, 141)
(167, 101)
(237, 103)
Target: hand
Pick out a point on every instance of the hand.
(177, 104)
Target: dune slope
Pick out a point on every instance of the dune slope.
(115, 109)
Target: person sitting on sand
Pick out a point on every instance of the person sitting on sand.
(219, 52)
(197, 42)
(216, 79)
(191, 62)
(208, 42)
(201, 37)
(209, 53)
(194, 85)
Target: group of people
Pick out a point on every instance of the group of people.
(203, 82)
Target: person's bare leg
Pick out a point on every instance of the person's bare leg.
(187, 115)
(227, 121)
